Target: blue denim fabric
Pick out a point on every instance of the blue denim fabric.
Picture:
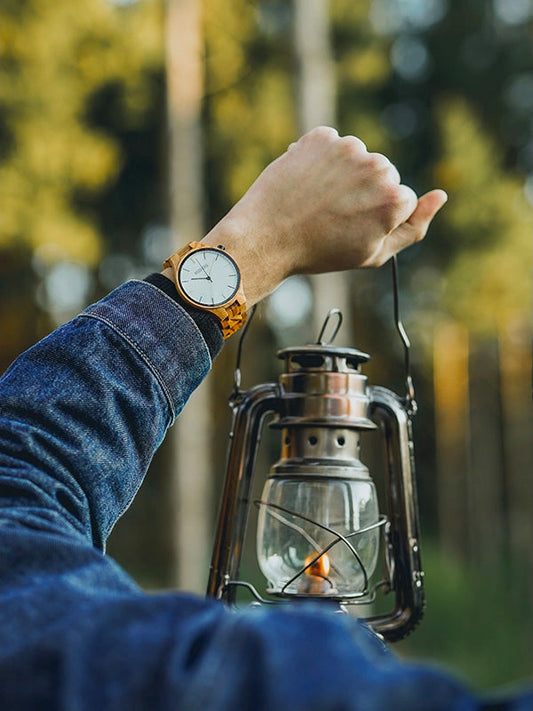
(83, 413)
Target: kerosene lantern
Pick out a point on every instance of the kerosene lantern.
(320, 534)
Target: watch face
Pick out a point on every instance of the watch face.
(209, 277)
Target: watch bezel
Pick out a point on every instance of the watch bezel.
(192, 300)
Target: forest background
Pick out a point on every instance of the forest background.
(91, 147)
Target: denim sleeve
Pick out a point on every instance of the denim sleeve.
(86, 408)
(82, 413)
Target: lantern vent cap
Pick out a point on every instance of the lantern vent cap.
(322, 355)
(322, 358)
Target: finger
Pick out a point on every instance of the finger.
(327, 133)
(415, 227)
(382, 163)
(354, 142)
(320, 135)
(406, 204)
(428, 206)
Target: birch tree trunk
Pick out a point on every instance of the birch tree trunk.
(316, 96)
(191, 468)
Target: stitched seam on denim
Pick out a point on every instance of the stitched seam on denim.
(182, 310)
(140, 351)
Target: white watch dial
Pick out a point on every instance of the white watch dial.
(209, 277)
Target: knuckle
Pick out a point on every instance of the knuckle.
(378, 162)
(394, 206)
(409, 197)
(323, 133)
(352, 147)
(402, 198)
(392, 196)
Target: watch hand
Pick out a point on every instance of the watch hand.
(201, 267)
(213, 264)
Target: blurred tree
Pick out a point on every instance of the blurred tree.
(81, 176)
(56, 59)
(486, 228)
(190, 483)
(249, 119)
(491, 65)
(250, 112)
(363, 71)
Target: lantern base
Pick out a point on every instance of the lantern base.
(284, 598)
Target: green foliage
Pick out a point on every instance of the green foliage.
(487, 224)
(83, 112)
(249, 95)
(363, 70)
(478, 622)
(55, 56)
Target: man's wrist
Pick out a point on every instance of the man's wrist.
(260, 265)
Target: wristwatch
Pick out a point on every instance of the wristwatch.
(209, 279)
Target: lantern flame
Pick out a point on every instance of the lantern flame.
(319, 568)
(316, 581)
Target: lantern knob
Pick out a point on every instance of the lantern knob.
(332, 312)
(322, 355)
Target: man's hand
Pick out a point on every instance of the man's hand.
(327, 204)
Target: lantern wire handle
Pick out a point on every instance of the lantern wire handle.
(237, 376)
(410, 401)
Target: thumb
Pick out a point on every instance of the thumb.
(428, 206)
(415, 228)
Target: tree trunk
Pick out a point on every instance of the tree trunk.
(316, 92)
(515, 358)
(452, 436)
(191, 469)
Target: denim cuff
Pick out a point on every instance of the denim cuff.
(163, 334)
(208, 324)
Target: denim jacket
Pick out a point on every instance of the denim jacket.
(83, 412)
